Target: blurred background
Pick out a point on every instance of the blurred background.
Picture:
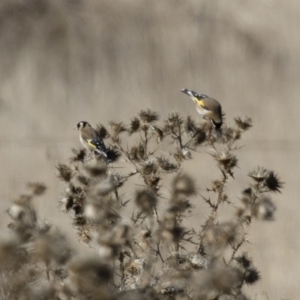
(70, 60)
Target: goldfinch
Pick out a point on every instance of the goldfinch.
(207, 107)
(90, 139)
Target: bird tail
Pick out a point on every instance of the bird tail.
(104, 154)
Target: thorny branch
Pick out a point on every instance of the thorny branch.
(155, 252)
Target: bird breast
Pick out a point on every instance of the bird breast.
(84, 143)
(201, 110)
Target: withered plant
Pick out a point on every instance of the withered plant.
(143, 244)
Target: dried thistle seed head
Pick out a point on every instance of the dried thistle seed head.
(173, 266)
(224, 157)
(175, 119)
(199, 137)
(216, 185)
(145, 127)
(264, 209)
(183, 184)
(133, 154)
(135, 266)
(84, 234)
(177, 233)
(230, 135)
(137, 153)
(227, 161)
(135, 125)
(79, 155)
(117, 179)
(144, 241)
(198, 261)
(74, 201)
(96, 169)
(252, 275)
(273, 182)
(247, 197)
(244, 260)
(248, 192)
(259, 174)
(237, 135)
(37, 188)
(146, 200)
(182, 154)
(85, 181)
(65, 173)
(179, 156)
(79, 221)
(165, 165)
(16, 211)
(77, 208)
(74, 190)
(113, 154)
(247, 219)
(117, 128)
(67, 203)
(243, 123)
(148, 116)
(146, 234)
(179, 204)
(149, 167)
(159, 134)
(186, 153)
(173, 123)
(102, 131)
(152, 182)
(190, 126)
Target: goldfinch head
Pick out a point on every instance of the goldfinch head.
(197, 98)
(82, 125)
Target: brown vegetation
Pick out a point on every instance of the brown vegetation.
(155, 254)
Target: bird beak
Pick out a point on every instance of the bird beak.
(189, 93)
(75, 128)
(186, 91)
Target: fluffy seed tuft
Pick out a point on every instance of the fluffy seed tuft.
(65, 173)
(148, 116)
(243, 123)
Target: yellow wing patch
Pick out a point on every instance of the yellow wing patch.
(91, 144)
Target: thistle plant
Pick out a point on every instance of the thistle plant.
(143, 244)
